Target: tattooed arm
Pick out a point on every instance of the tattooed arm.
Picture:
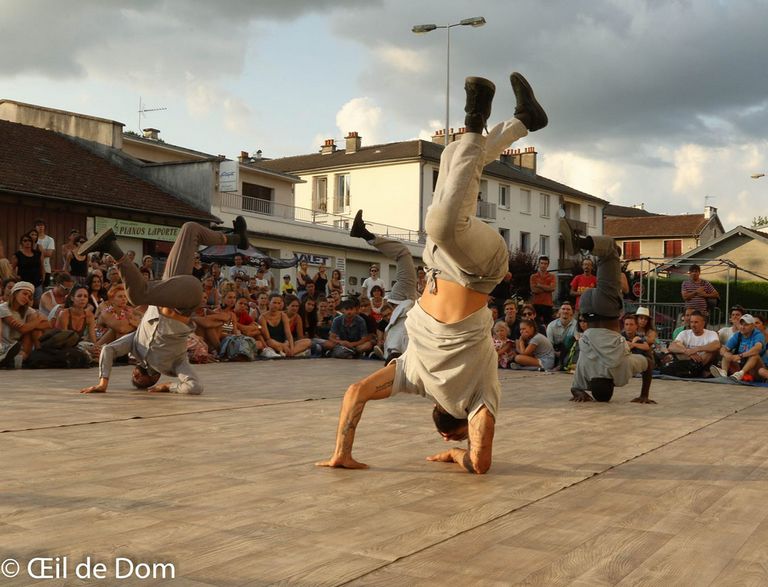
(477, 457)
(376, 386)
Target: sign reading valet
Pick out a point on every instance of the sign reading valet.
(142, 230)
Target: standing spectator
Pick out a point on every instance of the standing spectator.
(742, 351)
(697, 292)
(239, 267)
(542, 285)
(349, 333)
(68, 247)
(218, 278)
(335, 284)
(149, 263)
(583, 281)
(321, 280)
(534, 350)
(724, 334)
(77, 265)
(28, 264)
(287, 287)
(268, 276)
(47, 247)
(374, 279)
(561, 332)
(302, 277)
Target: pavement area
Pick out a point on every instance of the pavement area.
(221, 489)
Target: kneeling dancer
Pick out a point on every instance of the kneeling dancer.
(450, 357)
(605, 360)
(160, 341)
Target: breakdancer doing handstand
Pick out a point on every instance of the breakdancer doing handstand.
(450, 357)
(605, 360)
(160, 341)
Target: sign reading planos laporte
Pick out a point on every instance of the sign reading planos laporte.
(130, 229)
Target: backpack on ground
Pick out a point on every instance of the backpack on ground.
(47, 358)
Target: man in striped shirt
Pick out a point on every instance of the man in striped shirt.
(696, 291)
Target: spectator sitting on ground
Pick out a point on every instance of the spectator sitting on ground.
(373, 279)
(261, 281)
(277, 330)
(287, 287)
(334, 301)
(534, 351)
(727, 332)
(494, 312)
(246, 325)
(366, 313)
(54, 298)
(637, 343)
(76, 315)
(211, 293)
(697, 292)
(7, 286)
(510, 318)
(310, 291)
(268, 276)
(377, 301)
(349, 333)
(261, 305)
(145, 273)
(645, 326)
(381, 326)
(198, 270)
(308, 315)
(584, 281)
(292, 306)
(528, 312)
(324, 319)
(542, 284)
(6, 269)
(561, 333)
(505, 348)
(113, 276)
(697, 344)
(742, 351)
(96, 292)
(116, 318)
(94, 262)
(685, 323)
(22, 326)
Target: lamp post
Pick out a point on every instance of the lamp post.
(757, 175)
(476, 21)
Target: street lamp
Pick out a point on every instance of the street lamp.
(757, 175)
(476, 21)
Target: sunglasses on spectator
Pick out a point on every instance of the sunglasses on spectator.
(527, 313)
(374, 270)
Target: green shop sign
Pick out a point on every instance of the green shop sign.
(141, 230)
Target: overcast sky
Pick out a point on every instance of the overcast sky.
(662, 102)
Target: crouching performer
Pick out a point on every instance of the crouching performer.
(450, 358)
(159, 343)
(605, 360)
(403, 294)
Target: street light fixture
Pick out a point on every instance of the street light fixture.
(475, 21)
(757, 175)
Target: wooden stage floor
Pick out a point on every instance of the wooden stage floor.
(223, 485)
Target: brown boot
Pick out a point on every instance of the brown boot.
(480, 93)
(528, 110)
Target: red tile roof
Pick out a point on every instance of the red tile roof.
(48, 164)
(683, 225)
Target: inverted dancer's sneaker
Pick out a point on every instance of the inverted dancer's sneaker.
(480, 93)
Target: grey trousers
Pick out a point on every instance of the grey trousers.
(460, 247)
(178, 289)
(606, 299)
(405, 275)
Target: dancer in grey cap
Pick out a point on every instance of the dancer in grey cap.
(605, 360)
(450, 358)
(160, 341)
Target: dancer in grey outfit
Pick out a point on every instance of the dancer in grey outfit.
(450, 357)
(160, 341)
(604, 357)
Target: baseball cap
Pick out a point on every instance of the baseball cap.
(747, 319)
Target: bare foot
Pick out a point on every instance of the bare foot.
(94, 389)
(580, 396)
(643, 400)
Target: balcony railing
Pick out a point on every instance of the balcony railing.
(227, 201)
(486, 210)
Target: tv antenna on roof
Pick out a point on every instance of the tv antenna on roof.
(707, 199)
(143, 109)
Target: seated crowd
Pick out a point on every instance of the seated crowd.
(244, 314)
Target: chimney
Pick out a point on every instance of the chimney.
(439, 137)
(329, 146)
(640, 206)
(244, 157)
(455, 136)
(709, 212)
(528, 159)
(152, 134)
(353, 142)
(258, 155)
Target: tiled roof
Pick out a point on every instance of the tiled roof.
(616, 211)
(655, 226)
(48, 164)
(408, 150)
